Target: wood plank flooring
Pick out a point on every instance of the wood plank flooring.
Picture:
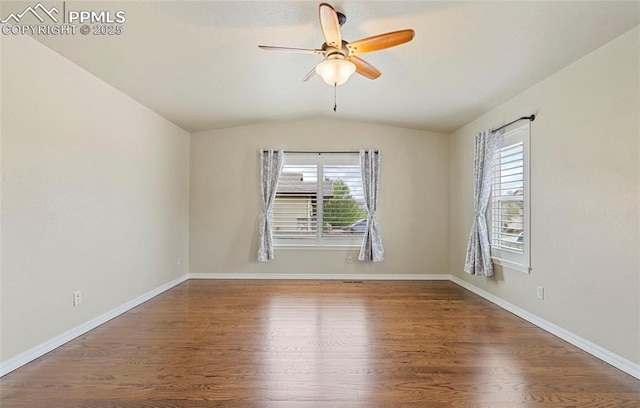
(300, 344)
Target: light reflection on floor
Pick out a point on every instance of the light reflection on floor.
(318, 348)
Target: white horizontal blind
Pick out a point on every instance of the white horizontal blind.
(509, 205)
(343, 210)
(507, 210)
(294, 211)
(319, 189)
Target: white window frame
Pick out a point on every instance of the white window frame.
(321, 241)
(505, 257)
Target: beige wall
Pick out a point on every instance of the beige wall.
(94, 196)
(225, 195)
(584, 198)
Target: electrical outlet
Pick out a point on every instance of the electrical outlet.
(349, 258)
(77, 297)
(178, 261)
(540, 292)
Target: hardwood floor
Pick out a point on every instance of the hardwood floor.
(299, 344)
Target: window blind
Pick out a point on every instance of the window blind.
(319, 201)
(295, 207)
(507, 209)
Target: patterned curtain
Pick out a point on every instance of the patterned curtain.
(478, 259)
(271, 163)
(371, 249)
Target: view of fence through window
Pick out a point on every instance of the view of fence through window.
(507, 210)
(303, 203)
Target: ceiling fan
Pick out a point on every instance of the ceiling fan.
(341, 57)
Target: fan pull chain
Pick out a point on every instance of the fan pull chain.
(335, 104)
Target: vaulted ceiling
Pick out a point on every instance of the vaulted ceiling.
(198, 63)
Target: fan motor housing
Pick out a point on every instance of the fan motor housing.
(329, 50)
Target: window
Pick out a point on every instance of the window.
(509, 205)
(319, 189)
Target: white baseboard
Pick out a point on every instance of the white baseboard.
(42, 349)
(320, 276)
(603, 354)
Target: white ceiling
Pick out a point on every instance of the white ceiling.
(198, 64)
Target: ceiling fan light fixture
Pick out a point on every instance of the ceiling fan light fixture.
(335, 71)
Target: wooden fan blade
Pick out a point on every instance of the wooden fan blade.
(289, 49)
(380, 42)
(330, 25)
(310, 75)
(364, 68)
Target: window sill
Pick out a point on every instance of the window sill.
(511, 265)
(318, 248)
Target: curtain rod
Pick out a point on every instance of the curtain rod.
(529, 118)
